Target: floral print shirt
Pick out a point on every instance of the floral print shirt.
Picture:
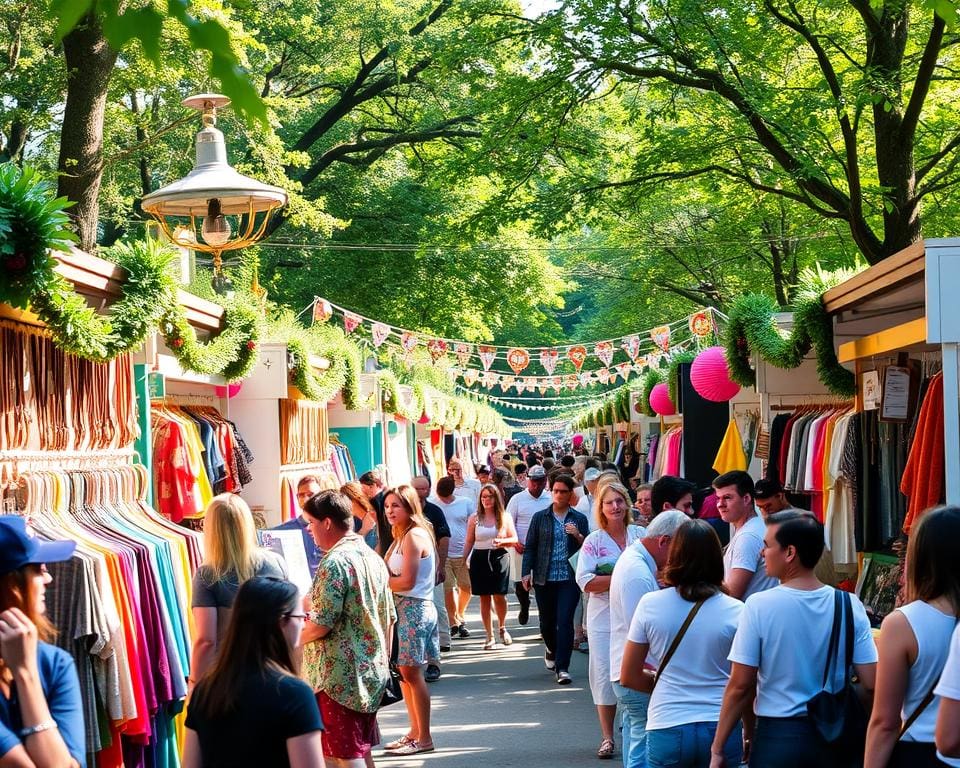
(351, 596)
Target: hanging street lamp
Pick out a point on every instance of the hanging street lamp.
(233, 209)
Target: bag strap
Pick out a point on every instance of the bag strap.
(834, 647)
(676, 640)
(923, 704)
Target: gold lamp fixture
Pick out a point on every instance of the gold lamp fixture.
(233, 209)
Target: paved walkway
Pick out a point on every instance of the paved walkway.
(503, 708)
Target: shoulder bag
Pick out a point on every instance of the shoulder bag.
(839, 717)
(676, 641)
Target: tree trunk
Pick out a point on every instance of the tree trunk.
(90, 61)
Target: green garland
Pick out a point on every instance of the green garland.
(673, 372)
(751, 329)
(650, 379)
(232, 353)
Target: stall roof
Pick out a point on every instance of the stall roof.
(100, 282)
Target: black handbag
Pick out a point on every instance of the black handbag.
(392, 693)
(839, 717)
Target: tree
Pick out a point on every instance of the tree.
(842, 107)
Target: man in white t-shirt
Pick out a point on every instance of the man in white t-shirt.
(464, 487)
(743, 571)
(456, 585)
(522, 507)
(948, 714)
(634, 575)
(780, 651)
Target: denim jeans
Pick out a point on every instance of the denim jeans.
(688, 746)
(789, 742)
(556, 603)
(633, 721)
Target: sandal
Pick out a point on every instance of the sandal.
(605, 752)
(505, 637)
(413, 748)
(401, 742)
(489, 645)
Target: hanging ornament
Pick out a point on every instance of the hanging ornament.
(577, 356)
(380, 333)
(470, 376)
(603, 375)
(660, 400)
(661, 337)
(548, 359)
(464, 352)
(322, 310)
(518, 359)
(624, 370)
(604, 351)
(437, 348)
(631, 345)
(700, 324)
(710, 376)
(572, 381)
(350, 322)
(487, 356)
(408, 341)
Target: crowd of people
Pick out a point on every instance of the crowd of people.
(710, 618)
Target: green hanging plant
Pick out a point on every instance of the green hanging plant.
(650, 379)
(751, 329)
(232, 353)
(673, 372)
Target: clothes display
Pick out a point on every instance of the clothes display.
(120, 606)
(731, 455)
(197, 454)
(665, 456)
(923, 479)
(303, 432)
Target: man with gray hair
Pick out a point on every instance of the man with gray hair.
(634, 575)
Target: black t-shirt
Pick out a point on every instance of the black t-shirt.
(272, 708)
(435, 515)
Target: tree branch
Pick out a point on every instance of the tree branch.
(921, 86)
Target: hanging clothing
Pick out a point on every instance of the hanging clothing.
(923, 480)
(730, 456)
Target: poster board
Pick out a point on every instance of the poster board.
(879, 584)
(289, 545)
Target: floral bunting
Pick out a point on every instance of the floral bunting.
(464, 352)
(437, 348)
(623, 369)
(700, 324)
(631, 345)
(506, 382)
(489, 379)
(470, 376)
(380, 334)
(518, 359)
(577, 355)
(603, 375)
(322, 310)
(408, 341)
(556, 383)
(548, 359)
(661, 337)
(351, 322)
(604, 351)
(586, 379)
(571, 381)
(487, 356)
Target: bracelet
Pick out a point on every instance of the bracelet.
(46, 725)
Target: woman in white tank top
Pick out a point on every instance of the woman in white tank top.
(914, 642)
(411, 560)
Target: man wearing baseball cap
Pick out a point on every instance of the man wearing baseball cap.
(35, 727)
(522, 507)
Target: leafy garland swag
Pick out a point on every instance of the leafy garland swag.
(33, 224)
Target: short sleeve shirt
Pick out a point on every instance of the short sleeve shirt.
(745, 551)
(350, 595)
(272, 708)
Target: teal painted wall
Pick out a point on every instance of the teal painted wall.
(365, 444)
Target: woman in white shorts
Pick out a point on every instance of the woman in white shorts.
(598, 555)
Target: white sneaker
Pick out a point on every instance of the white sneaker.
(548, 662)
(563, 678)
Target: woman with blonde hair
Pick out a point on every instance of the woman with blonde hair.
(598, 555)
(364, 515)
(231, 557)
(489, 531)
(412, 562)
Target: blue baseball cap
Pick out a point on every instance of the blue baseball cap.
(20, 547)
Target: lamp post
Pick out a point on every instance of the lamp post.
(214, 193)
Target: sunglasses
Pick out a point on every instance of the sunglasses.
(301, 616)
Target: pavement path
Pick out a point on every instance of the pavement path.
(502, 708)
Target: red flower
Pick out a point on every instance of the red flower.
(177, 343)
(251, 345)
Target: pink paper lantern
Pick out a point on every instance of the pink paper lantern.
(230, 390)
(577, 441)
(710, 376)
(660, 400)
